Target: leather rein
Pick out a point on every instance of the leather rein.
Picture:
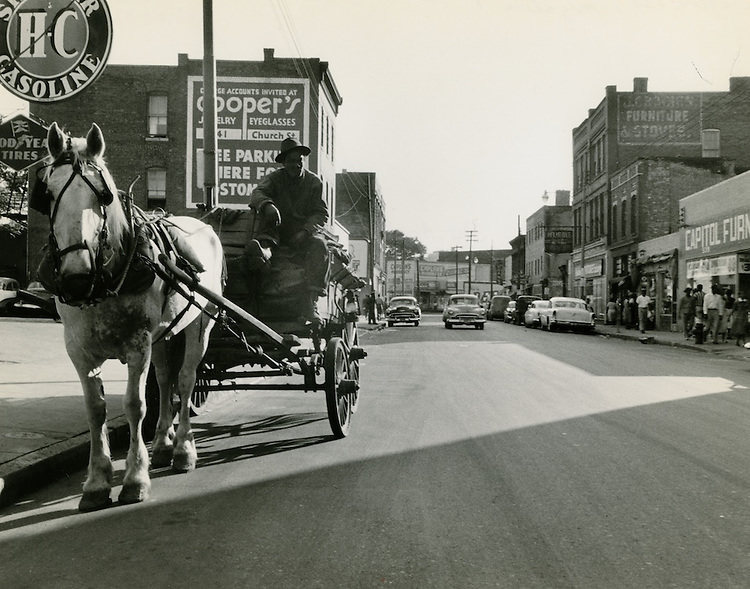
(103, 283)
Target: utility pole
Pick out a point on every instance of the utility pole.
(492, 267)
(455, 248)
(470, 237)
(403, 261)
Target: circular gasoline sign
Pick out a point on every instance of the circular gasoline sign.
(52, 49)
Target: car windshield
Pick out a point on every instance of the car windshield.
(467, 300)
(403, 301)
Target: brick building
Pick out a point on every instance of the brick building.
(549, 240)
(151, 116)
(626, 126)
(360, 208)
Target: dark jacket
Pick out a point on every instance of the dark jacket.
(299, 200)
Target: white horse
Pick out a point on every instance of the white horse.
(113, 306)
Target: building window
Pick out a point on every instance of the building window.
(156, 187)
(157, 116)
(634, 214)
(614, 222)
(624, 219)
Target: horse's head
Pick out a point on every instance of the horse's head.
(77, 192)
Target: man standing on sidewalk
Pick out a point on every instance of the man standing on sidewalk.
(713, 307)
(643, 302)
(686, 311)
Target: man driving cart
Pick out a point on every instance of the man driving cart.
(290, 212)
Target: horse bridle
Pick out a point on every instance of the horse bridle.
(104, 197)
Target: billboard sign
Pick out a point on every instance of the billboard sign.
(253, 116)
(52, 49)
(648, 117)
(23, 142)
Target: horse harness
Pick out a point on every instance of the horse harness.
(140, 269)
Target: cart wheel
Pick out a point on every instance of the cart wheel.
(199, 396)
(339, 388)
(352, 341)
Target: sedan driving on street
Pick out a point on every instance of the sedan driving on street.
(403, 309)
(567, 312)
(464, 309)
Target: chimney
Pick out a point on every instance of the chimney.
(640, 84)
(711, 143)
(739, 84)
(562, 198)
(268, 54)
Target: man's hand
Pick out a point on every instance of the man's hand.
(272, 214)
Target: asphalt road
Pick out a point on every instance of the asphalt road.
(499, 458)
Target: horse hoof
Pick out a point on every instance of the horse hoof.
(183, 463)
(134, 493)
(94, 500)
(161, 457)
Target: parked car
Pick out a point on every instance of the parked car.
(522, 303)
(8, 293)
(533, 312)
(510, 312)
(464, 309)
(498, 304)
(35, 295)
(403, 309)
(568, 313)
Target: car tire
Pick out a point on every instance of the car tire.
(448, 325)
(481, 326)
(390, 324)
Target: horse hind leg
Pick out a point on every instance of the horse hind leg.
(196, 338)
(100, 473)
(162, 356)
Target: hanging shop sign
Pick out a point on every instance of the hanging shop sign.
(23, 142)
(52, 49)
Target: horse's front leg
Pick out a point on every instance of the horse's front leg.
(98, 483)
(136, 483)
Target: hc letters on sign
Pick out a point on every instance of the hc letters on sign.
(52, 49)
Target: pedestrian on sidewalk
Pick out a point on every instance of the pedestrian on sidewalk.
(725, 328)
(698, 296)
(643, 302)
(713, 307)
(739, 319)
(686, 311)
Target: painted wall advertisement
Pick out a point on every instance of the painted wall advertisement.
(253, 115)
(645, 117)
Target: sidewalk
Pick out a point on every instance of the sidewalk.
(675, 339)
(43, 427)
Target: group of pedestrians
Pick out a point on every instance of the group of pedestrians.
(633, 311)
(716, 314)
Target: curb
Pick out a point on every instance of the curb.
(34, 470)
(651, 339)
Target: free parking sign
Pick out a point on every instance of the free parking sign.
(52, 49)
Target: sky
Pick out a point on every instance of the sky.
(464, 109)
